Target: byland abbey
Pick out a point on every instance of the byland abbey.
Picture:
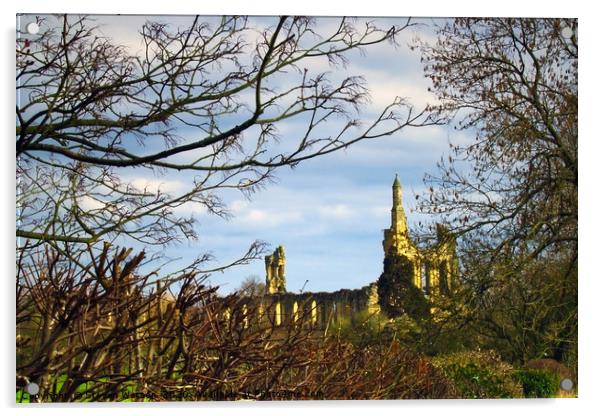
(433, 270)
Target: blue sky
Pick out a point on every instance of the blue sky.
(328, 212)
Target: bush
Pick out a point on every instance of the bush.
(397, 294)
(338, 370)
(361, 329)
(551, 366)
(479, 375)
(538, 383)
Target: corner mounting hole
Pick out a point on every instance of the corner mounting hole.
(32, 28)
(566, 32)
(32, 389)
(566, 384)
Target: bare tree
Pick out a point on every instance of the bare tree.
(513, 83)
(205, 100)
(252, 286)
(511, 193)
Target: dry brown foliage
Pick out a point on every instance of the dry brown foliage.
(102, 332)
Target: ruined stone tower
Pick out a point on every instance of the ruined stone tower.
(275, 281)
(434, 269)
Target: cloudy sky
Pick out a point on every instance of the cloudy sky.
(328, 212)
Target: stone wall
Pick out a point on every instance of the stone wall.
(316, 310)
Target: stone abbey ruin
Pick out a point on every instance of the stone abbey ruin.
(433, 271)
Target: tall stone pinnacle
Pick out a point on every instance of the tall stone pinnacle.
(398, 216)
(396, 192)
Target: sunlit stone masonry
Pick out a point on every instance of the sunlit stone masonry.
(434, 270)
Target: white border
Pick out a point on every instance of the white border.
(590, 153)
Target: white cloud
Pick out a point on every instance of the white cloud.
(238, 206)
(125, 30)
(338, 211)
(190, 208)
(411, 147)
(87, 203)
(384, 91)
(384, 86)
(380, 210)
(259, 218)
(156, 185)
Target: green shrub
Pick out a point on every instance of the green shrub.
(538, 383)
(361, 329)
(479, 375)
